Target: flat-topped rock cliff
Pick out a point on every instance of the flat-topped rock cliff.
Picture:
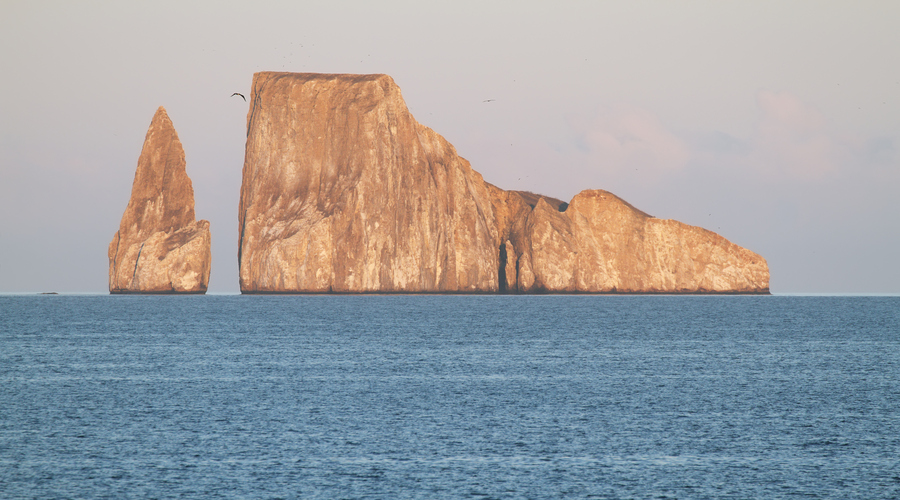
(343, 191)
(160, 247)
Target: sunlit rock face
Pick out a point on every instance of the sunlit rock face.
(343, 191)
(160, 247)
(600, 243)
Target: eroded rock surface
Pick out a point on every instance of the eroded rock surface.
(160, 247)
(343, 191)
(600, 243)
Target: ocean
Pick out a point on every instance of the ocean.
(449, 396)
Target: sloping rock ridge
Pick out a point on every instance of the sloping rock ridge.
(160, 247)
(343, 191)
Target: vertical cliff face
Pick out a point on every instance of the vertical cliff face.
(344, 191)
(160, 247)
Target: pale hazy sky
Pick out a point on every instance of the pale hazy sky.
(775, 124)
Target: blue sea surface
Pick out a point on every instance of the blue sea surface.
(449, 397)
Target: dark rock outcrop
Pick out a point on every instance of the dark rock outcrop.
(160, 247)
(343, 191)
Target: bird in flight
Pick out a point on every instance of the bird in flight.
(489, 100)
(242, 96)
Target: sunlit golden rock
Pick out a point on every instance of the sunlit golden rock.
(343, 191)
(160, 247)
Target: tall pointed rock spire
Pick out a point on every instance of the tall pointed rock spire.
(160, 247)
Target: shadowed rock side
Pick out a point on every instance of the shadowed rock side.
(160, 247)
(343, 191)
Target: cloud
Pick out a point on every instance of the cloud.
(792, 139)
(879, 152)
(624, 139)
(789, 141)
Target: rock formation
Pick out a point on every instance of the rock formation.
(343, 191)
(160, 247)
(600, 243)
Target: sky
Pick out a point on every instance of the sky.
(775, 124)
